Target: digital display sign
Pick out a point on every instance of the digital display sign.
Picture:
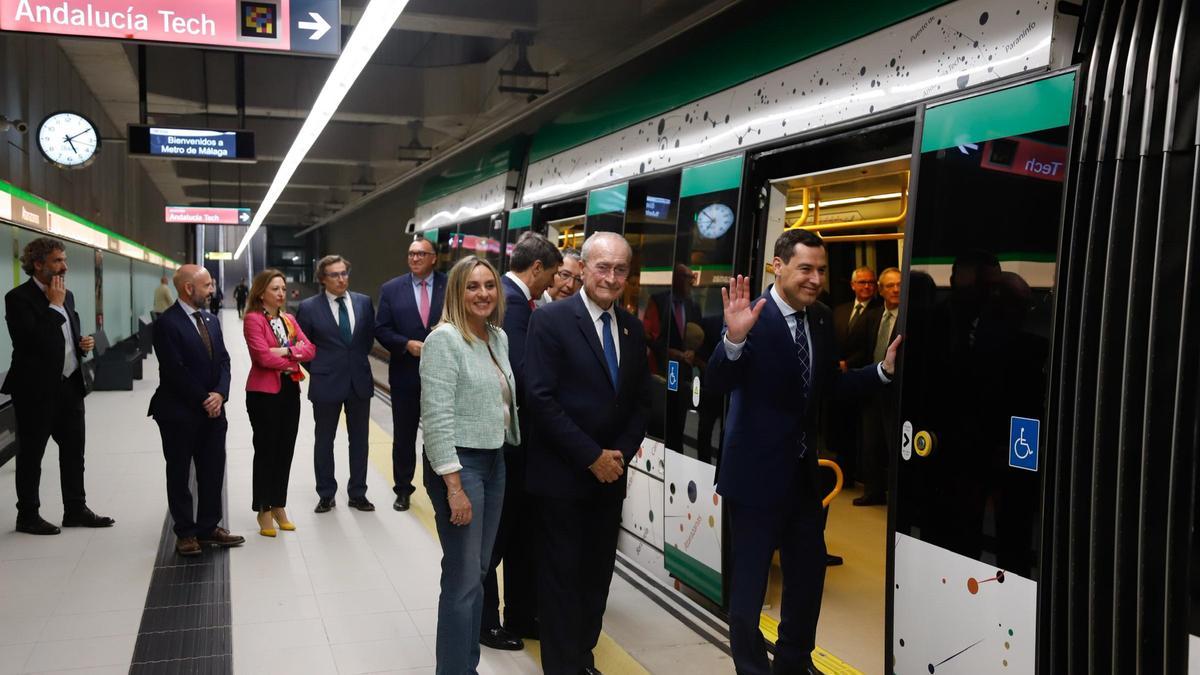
(208, 215)
(222, 145)
(657, 207)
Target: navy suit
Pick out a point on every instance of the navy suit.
(341, 378)
(398, 321)
(575, 412)
(770, 491)
(516, 540)
(186, 375)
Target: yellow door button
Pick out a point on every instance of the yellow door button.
(923, 443)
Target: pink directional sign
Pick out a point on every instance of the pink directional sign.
(208, 215)
(309, 26)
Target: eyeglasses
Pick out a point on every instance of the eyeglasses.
(337, 275)
(618, 271)
(864, 283)
(418, 254)
(563, 275)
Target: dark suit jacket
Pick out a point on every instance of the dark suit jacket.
(573, 409)
(766, 416)
(516, 327)
(37, 340)
(848, 344)
(399, 321)
(869, 325)
(186, 373)
(339, 372)
(669, 336)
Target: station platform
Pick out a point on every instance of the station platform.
(347, 592)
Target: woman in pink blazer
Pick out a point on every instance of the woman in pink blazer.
(277, 347)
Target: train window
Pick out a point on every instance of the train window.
(563, 222)
(480, 237)
(447, 244)
(606, 209)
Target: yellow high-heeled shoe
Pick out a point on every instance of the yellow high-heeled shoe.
(263, 530)
(285, 525)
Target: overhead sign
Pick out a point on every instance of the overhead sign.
(208, 215)
(302, 26)
(221, 145)
(219, 255)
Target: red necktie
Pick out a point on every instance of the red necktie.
(532, 304)
(424, 309)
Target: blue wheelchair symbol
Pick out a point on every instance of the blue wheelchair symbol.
(672, 375)
(1023, 435)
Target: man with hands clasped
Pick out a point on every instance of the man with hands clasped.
(779, 361)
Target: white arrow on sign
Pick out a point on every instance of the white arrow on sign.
(244, 216)
(319, 26)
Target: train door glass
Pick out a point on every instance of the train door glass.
(519, 221)
(977, 334)
(562, 221)
(606, 209)
(481, 237)
(446, 242)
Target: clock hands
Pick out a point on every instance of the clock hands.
(72, 143)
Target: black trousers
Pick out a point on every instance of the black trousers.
(578, 550)
(878, 432)
(516, 547)
(358, 421)
(59, 416)
(796, 530)
(275, 419)
(194, 440)
(406, 415)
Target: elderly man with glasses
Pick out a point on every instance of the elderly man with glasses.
(567, 281)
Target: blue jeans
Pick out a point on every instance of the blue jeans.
(466, 552)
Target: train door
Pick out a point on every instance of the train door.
(562, 222)
(481, 237)
(981, 244)
(853, 190)
(606, 209)
(519, 221)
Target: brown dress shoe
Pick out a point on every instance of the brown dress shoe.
(187, 546)
(220, 537)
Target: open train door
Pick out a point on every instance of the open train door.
(983, 229)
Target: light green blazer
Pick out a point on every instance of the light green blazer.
(461, 403)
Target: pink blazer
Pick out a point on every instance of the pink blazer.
(265, 367)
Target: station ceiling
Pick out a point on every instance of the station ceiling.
(435, 76)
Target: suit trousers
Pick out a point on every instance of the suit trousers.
(876, 436)
(358, 421)
(406, 416)
(516, 548)
(796, 530)
(578, 550)
(194, 440)
(275, 419)
(59, 416)
(466, 551)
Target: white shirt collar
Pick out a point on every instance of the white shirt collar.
(39, 283)
(187, 308)
(417, 280)
(520, 284)
(785, 309)
(594, 309)
(334, 298)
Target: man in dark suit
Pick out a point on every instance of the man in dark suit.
(847, 314)
(189, 407)
(779, 362)
(880, 414)
(587, 393)
(849, 334)
(409, 306)
(532, 268)
(342, 326)
(45, 381)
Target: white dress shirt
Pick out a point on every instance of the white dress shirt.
(733, 350)
(520, 284)
(417, 292)
(190, 312)
(595, 311)
(333, 307)
(70, 363)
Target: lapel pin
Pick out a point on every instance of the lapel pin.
(626, 331)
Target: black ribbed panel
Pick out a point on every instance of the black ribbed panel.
(1120, 493)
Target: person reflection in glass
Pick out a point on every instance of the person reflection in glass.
(674, 334)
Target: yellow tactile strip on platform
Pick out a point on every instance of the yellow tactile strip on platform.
(824, 661)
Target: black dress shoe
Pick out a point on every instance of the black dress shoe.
(324, 505)
(832, 560)
(361, 504)
(85, 518)
(589, 670)
(36, 525)
(870, 500)
(401, 503)
(221, 538)
(498, 638)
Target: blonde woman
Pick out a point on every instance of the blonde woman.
(468, 411)
(277, 347)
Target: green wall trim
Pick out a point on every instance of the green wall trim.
(752, 46)
(479, 167)
(519, 219)
(693, 573)
(607, 200)
(18, 192)
(1044, 104)
(722, 174)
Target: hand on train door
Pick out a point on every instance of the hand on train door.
(740, 314)
(889, 359)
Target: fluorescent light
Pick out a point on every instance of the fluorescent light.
(848, 200)
(375, 24)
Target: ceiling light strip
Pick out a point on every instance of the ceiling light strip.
(377, 21)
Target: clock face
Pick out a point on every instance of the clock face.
(68, 140)
(714, 220)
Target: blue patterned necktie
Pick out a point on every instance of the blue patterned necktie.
(802, 353)
(344, 320)
(610, 348)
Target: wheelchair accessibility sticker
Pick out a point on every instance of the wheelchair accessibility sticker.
(1023, 443)
(672, 376)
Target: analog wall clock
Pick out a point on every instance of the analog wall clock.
(68, 140)
(714, 220)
